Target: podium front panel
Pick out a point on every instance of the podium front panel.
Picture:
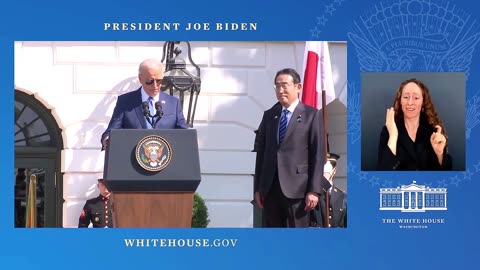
(123, 172)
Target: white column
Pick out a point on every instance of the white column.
(409, 198)
(403, 199)
(416, 199)
(429, 202)
(423, 199)
(380, 199)
(445, 199)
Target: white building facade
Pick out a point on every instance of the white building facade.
(76, 84)
(413, 198)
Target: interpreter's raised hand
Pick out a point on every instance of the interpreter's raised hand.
(390, 123)
(438, 141)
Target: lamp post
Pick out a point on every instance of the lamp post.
(178, 81)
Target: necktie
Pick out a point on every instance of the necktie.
(283, 126)
(151, 108)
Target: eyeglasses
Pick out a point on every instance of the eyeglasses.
(150, 81)
(283, 86)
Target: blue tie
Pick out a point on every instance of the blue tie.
(283, 126)
(151, 108)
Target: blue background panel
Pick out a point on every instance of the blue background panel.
(382, 36)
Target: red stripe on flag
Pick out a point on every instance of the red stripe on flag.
(309, 94)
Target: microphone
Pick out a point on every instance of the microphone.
(146, 111)
(158, 108)
(159, 113)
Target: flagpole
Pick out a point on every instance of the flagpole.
(31, 213)
(318, 79)
(324, 116)
(325, 126)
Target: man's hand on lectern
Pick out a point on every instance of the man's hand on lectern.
(105, 142)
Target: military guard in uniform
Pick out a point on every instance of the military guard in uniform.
(97, 211)
(337, 199)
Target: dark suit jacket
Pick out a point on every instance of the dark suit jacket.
(299, 159)
(411, 156)
(128, 113)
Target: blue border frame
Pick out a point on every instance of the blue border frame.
(367, 242)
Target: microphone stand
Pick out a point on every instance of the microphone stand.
(146, 113)
(158, 114)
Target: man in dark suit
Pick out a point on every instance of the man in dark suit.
(97, 211)
(337, 199)
(290, 156)
(129, 112)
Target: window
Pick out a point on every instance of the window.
(30, 129)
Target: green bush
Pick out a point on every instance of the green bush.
(200, 212)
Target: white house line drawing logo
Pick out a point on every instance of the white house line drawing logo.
(413, 198)
(420, 35)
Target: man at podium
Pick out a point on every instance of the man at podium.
(147, 107)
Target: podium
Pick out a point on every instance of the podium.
(142, 195)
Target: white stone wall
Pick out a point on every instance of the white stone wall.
(80, 81)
